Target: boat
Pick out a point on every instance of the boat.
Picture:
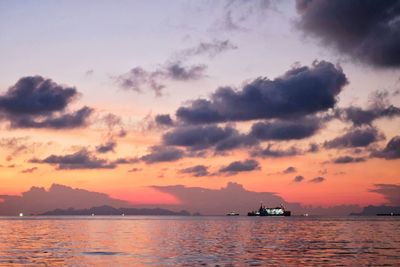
(233, 213)
(263, 211)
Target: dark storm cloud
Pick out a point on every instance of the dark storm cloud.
(290, 169)
(298, 179)
(367, 30)
(270, 152)
(317, 180)
(348, 159)
(391, 151)
(240, 166)
(300, 91)
(107, 147)
(203, 137)
(138, 78)
(197, 171)
(210, 49)
(390, 191)
(81, 159)
(164, 120)
(355, 137)
(163, 154)
(286, 130)
(36, 102)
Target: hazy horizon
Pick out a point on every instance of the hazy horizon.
(202, 105)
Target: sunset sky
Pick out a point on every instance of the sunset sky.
(299, 98)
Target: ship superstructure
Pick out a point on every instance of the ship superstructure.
(264, 211)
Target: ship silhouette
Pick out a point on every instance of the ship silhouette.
(264, 211)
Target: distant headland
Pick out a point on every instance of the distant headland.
(379, 210)
(108, 210)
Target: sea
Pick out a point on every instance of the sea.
(199, 241)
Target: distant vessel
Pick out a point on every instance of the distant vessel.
(263, 211)
(233, 213)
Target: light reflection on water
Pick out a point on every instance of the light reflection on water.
(188, 241)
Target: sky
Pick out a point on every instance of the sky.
(146, 101)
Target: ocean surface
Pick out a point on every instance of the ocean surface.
(199, 241)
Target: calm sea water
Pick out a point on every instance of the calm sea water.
(191, 241)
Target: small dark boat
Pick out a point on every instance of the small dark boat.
(263, 211)
(232, 214)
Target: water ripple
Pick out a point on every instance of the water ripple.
(199, 241)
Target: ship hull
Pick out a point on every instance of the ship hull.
(254, 214)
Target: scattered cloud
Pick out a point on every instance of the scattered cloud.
(114, 126)
(317, 180)
(359, 116)
(379, 106)
(89, 72)
(135, 170)
(391, 151)
(348, 159)
(163, 154)
(290, 169)
(313, 147)
(240, 166)
(368, 31)
(196, 171)
(298, 179)
(270, 152)
(323, 171)
(177, 71)
(138, 78)
(107, 147)
(17, 146)
(210, 49)
(81, 159)
(236, 14)
(126, 161)
(355, 137)
(29, 170)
